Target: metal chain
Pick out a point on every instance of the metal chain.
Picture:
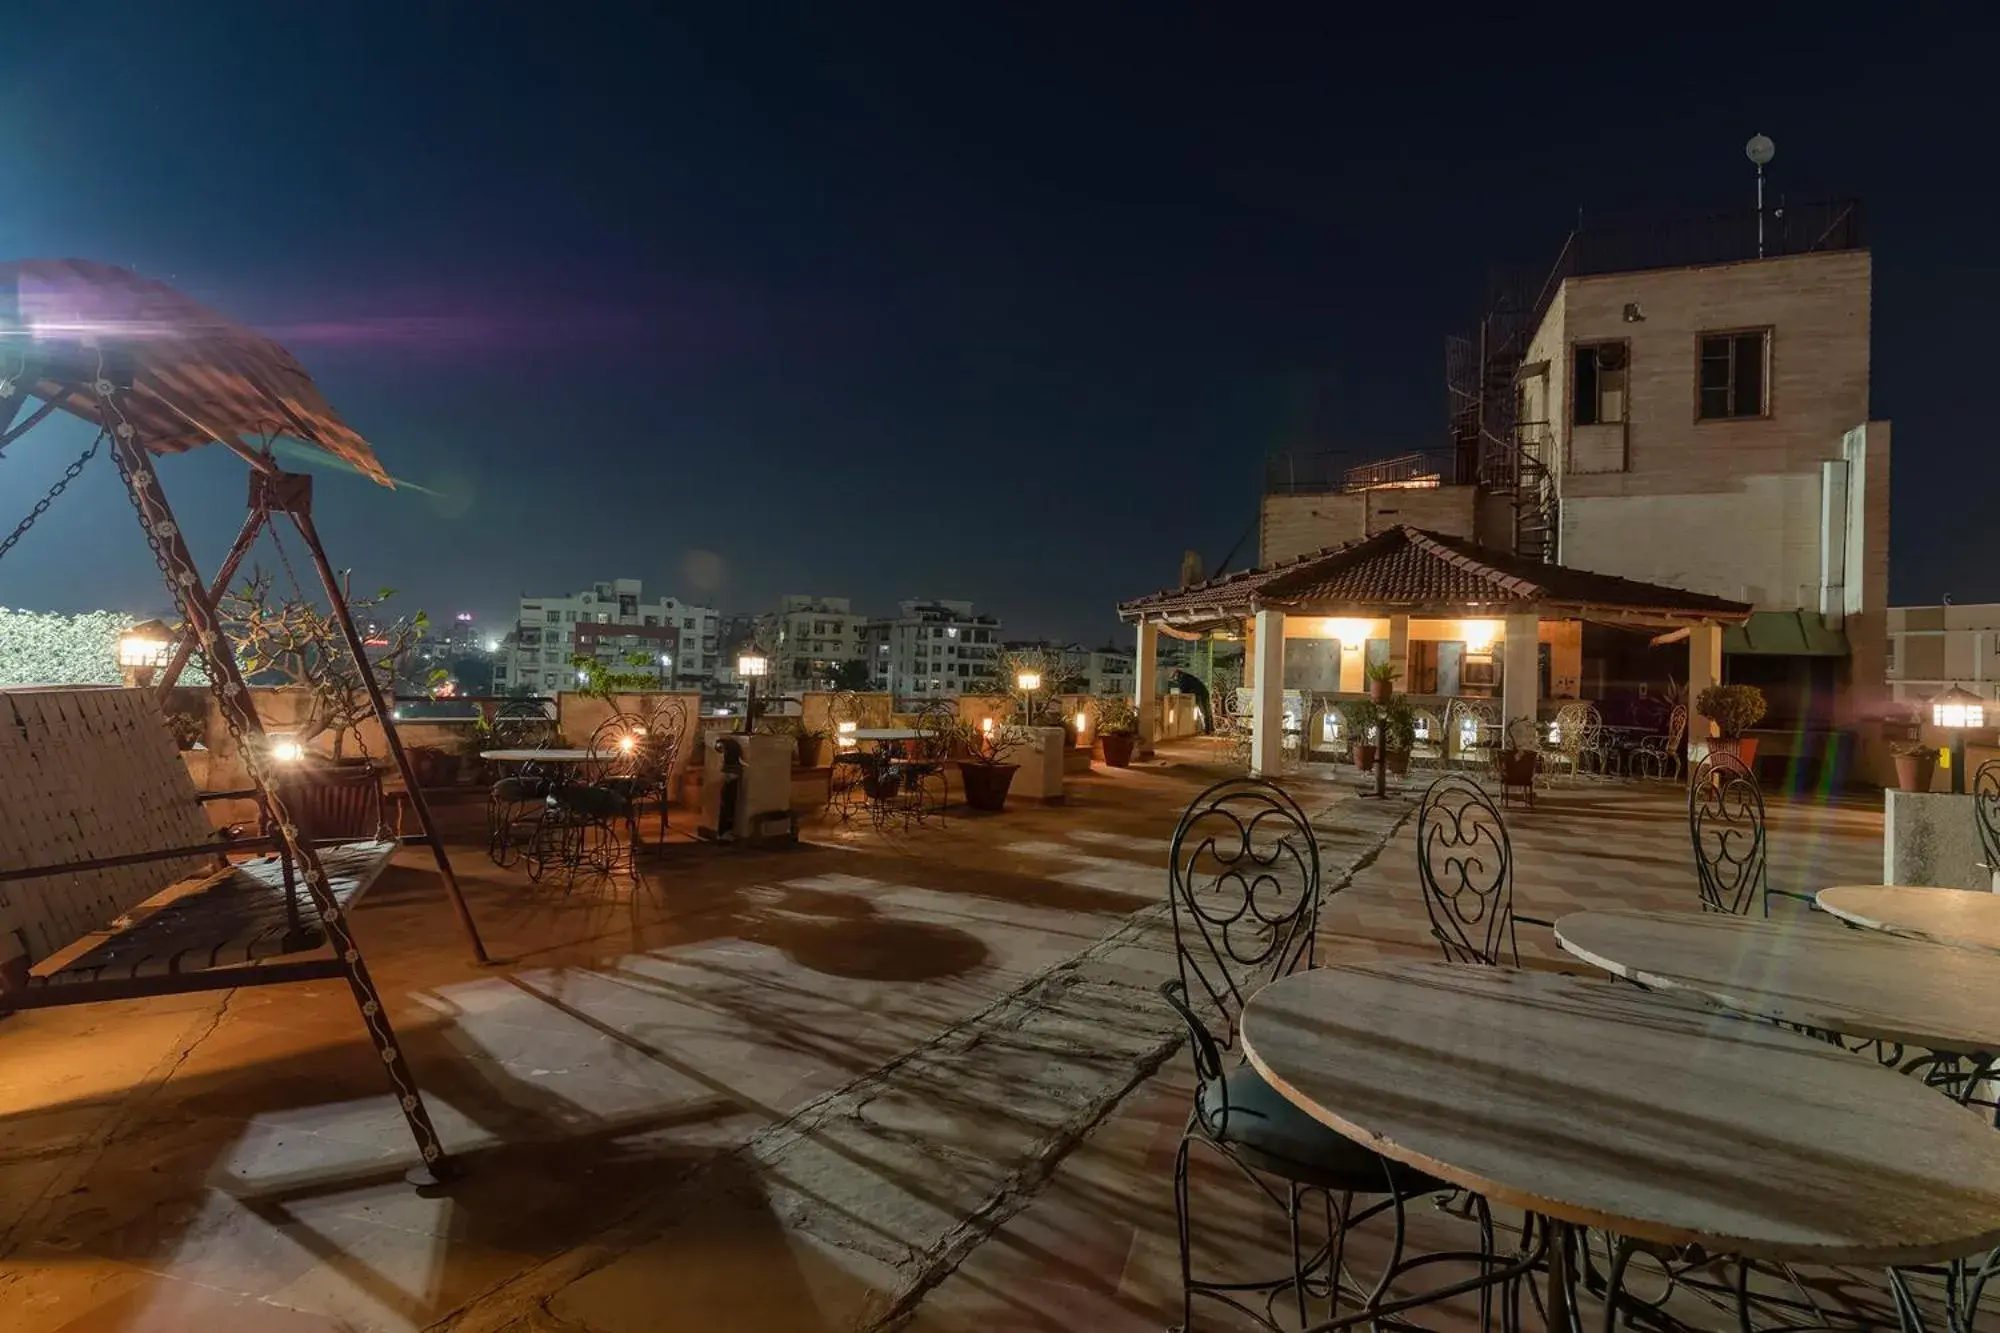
(69, 475)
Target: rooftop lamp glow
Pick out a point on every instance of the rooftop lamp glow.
(1029, 680)
(286, 750)
(145, 645)
(1480, 636)
(752, 664)
(1957, 709)
(1082, 720)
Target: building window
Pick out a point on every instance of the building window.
(1600, 384)
(555, 617)
(1732, 374)
(1894, 640)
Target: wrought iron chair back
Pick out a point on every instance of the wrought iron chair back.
(666, 725)
(1466, 863)
(617, 749)
(1428, 750)
(1986, 811)
(1243, 884)
(1466, 725)
(524, 724)
(1726, 825)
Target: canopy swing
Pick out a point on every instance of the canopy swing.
(145, 884)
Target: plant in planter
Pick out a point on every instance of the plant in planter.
(1399, 732)
(982, 753)
(1382, 680)
(1117, 730)
(1734, 709)
(1364, 725)
(292, 642)
(1916, 765)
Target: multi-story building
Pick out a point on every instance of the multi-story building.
(613, 623)
(1686, 405)
(809, 638)
(933, 648)
(1933, 648)
(1082, 670)
(1108, 671)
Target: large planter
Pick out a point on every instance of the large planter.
(1915, 771)
(986, 784)
(808, 752)
(1364, 756)
(1743, 747)
(1118, 748)
(1399, 762)
(1381, 690)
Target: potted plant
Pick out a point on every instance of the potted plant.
(1117, 731)
(1916, 764)
(1364, 722)
(983, 770)
(1382, 681)
(1399, 732)
(1734, 709)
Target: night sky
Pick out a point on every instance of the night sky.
(747, 300)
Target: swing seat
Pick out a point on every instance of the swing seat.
(92, 776)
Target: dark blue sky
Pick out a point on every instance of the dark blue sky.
(926, 301)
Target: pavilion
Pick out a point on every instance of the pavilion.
(1408, 584)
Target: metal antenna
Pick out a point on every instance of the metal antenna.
(1760, 150)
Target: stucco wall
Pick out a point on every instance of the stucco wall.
(1296, 524)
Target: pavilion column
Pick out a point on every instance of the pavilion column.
(1399, 649)
(1704, 670)
(1520, 672)
(1146, 684)
(1267, 694)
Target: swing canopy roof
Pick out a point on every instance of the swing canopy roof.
(195, 376)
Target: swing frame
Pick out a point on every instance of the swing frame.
(158, 373)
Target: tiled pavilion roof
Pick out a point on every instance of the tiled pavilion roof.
(1410, 570)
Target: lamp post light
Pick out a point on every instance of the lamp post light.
(1029, 681)
(666, 660)
(1956, 711)
(142, 650)
(751, 664)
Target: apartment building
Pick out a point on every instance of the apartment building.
(932, 648)
(613, 623)
(810, 637)
(1933, 648)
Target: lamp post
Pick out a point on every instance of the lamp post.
(666, 660)
(1029, 681)
(751, 664)
(142, 650)
(1957, 710)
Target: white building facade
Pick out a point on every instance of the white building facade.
(1933, 648)
(810, 637)
(935, 648)
(613, 623)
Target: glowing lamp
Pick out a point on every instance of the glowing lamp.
(1082, 721)
(144, 645)
(286, 750)
(986, 725)
(1480, 636)
(1029, 680)
(626, 744)
(753, 664)
(1958, 709)
(1351, 633)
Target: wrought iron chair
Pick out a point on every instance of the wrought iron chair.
(850, 765)
(1664, 756)
(1428, 750)
(1469, 727)
(1466, 864)
(1726, 825)
(580, 827)
(925, 768)
(1564, 749)
(515, 803)
(1986, 811)
(1244, 891)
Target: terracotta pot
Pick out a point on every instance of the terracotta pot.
(1381, 690)
(1915, 771)
(808, 751)
(1399, 762)
(986, 784)
(1743, 747)
(1118, 748)
(1517, 767)
(1364, 756)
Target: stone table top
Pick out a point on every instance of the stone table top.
(1942, 916)
(1653, 1115)
(1813, 973)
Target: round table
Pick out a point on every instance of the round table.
(882, 734)
(1965, 917)
(1813, 974)
(1651, 1115)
